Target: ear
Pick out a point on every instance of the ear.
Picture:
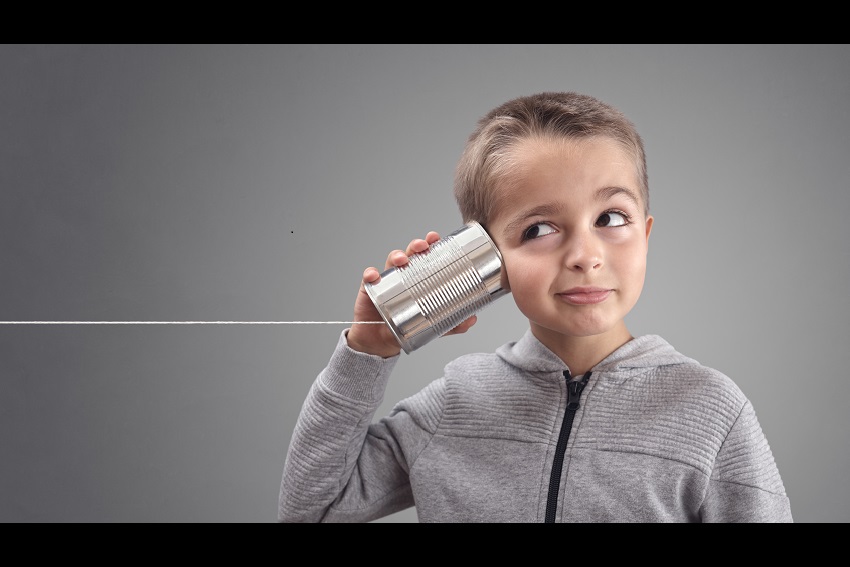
(649, 220)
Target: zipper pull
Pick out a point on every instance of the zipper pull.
(574, 390)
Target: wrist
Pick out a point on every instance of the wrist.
(367, 347)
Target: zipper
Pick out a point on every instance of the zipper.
(574, 389)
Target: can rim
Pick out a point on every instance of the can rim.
(489, 239)
(387, 320)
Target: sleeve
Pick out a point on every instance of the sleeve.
(745, 485)
(340, 466)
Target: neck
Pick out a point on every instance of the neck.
(581, 354)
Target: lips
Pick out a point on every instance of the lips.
(585, 295)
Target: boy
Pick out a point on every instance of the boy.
(577, 421)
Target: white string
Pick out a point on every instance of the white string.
(191, 322)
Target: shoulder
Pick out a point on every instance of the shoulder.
(703, 400)
(483, 374)
(467, 372)
(682, 376)
(676, 409)
(477, 363)
(705, 380)
(488, 397)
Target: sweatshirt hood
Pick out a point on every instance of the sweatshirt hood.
(529, 354)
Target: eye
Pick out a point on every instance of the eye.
(537, 230)
(612, 218)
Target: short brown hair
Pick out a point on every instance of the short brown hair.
(486, 158)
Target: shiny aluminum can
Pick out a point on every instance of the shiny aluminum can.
(438, 289)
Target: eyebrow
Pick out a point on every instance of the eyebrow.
(547, 210)
(552, 209)
(608, 192)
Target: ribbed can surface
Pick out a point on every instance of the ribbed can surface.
(438, 289)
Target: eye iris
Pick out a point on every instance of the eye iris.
(605, 219)
(533, 232)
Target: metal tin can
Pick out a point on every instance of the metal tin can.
(438, 289)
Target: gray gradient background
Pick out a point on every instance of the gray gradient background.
(255, 182)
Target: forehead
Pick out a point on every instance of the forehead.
(539, 168)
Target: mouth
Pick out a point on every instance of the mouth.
(585, 295)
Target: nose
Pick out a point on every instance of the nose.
(583, 252)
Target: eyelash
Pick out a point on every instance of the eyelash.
(627, 220)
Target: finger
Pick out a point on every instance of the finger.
(396, 258)
(464, 326)
(432, 237)
(417, 246)
(371, 275)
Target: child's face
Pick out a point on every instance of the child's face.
(571, 227)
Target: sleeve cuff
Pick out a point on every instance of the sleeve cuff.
(357, 375)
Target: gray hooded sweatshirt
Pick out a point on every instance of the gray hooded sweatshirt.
(651, 436)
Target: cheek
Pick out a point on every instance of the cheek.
(526, 291)
(630, 263)
(523, 274)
